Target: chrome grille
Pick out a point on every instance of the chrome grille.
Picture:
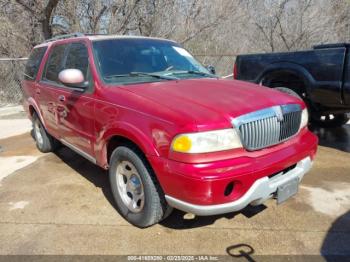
(269, 126)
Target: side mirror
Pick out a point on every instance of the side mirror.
(73, 78)
(211, 69)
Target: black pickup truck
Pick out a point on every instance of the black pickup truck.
(320, 76)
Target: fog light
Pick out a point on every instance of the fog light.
(229, 189)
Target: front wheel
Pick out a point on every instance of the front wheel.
(137, 194)
(329, 120)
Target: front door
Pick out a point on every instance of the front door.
(74, 110)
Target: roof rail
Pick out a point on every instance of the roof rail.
(76, 34)
(92, 34)
(59, 37)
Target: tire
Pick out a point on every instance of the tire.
(137, 194)
(288, 91)
(329, 121)
(44, 141)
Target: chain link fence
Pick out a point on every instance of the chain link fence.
(11, 74)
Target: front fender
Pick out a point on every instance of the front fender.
(125, 130)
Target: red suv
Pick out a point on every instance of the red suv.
(170, 132)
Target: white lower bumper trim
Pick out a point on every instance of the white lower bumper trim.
(261, 190)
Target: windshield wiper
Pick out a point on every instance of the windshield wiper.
(133, 74)
(153, 75)
(192, 72)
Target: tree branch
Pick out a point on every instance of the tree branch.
(26, 7)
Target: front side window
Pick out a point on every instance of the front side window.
(54, 64)
(137, 60)
(78, 58)
(33, 64)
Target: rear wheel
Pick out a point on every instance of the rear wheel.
(44, 141)
(137, 194)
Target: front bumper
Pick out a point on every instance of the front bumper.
(205, 183)
(261, 190)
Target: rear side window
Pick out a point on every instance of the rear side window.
(33, 64)
(54, 64)
(78, 58)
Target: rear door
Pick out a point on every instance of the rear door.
(31, 89)
(48, 87)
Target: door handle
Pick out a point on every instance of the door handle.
(61, 98)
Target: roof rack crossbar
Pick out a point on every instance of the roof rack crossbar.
(59, 37)
(92, 34)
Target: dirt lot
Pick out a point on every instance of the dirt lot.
(61, 204)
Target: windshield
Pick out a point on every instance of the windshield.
(136, 60)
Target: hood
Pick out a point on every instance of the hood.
(210, 101)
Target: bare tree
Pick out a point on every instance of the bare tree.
(215, 31)
(284, 25)
(339, 10)
(219, 26)
(41, 12)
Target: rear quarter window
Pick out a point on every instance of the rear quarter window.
(33, 64)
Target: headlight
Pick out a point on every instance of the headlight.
(304, 118)
(205, 142)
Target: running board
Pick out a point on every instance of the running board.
(79, 151)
